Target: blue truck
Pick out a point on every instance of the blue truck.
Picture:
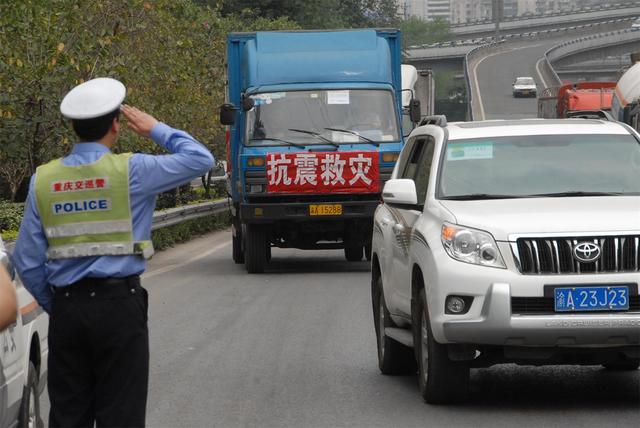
(313, 132)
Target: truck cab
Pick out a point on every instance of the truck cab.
(314, 132)
(625, 105)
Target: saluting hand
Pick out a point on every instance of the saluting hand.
(140, 122)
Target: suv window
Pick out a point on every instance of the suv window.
(418, 166)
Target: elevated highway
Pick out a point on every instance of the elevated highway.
(545, 22)
(491, 70)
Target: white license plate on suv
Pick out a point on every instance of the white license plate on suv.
(600, 298)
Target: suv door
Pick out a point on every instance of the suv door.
(417, 168)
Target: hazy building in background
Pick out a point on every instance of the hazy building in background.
(510, 8)
(426, 9)
(526, 7)
(462, 11)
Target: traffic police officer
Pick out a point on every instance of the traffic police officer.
(82, 246)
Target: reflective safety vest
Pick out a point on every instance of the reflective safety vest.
(85, 209)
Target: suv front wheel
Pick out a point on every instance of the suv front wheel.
(441, 380)
(393, 357)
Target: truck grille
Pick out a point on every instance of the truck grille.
(544, 305)
(548, 256)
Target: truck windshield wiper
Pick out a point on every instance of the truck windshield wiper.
(575, 193)
(279, 140)
(315, 134)
(479, 196)
(368, 140)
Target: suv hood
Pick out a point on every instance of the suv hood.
(562, 216)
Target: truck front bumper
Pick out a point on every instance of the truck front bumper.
(272, 212)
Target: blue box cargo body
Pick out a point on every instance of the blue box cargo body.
(315, 92)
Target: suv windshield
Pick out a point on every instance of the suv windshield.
(540, 165)
(304, 117)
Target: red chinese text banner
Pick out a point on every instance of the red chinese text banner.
(323, 172)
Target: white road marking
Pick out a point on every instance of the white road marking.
(171, 267)
(475, 74)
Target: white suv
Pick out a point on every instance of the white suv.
(508, 241)
(23, 358)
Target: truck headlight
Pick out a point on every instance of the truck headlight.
(255, 161)
(471, 246)
(390, 157)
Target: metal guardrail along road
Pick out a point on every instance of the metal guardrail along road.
(172, 216)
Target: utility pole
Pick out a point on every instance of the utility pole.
(497, 11)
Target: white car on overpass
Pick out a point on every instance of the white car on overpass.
(23, 358)
(508, 241)
(524, 87)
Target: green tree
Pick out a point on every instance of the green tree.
(169, 53)
(416, 31)
(320, 13)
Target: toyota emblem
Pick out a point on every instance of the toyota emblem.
(587, 252)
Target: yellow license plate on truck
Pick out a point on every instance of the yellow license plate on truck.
(325, 209)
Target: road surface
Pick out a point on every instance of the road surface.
(295, 347)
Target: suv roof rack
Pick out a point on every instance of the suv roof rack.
(437, 119)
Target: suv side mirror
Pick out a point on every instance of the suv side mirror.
(401, 191)
(414, 111)
(228, 114)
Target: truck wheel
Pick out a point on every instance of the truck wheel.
(236, 243)
(30, 407)
(352, 253)
(255, 251)
(441, 380)
(393, 357)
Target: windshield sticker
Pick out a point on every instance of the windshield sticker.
(268, 98)
(343, 137)
(338, 97)
(470, 151)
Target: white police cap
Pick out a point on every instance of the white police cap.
(93, 98)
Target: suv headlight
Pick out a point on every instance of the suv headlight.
(471, 246)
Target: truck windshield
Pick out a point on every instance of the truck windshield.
(313, 117)
(539, 166)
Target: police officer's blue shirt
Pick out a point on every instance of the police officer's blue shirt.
(148, 176)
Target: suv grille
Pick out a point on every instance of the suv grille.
(548, 256)
(544, 305)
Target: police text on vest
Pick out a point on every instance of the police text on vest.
(86, 205)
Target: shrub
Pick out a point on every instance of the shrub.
(10, 216)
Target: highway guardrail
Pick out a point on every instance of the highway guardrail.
(582, 44)
(172, 216)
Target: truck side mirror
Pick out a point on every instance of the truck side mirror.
(414, 111)
(228, 114)
(247, 103)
